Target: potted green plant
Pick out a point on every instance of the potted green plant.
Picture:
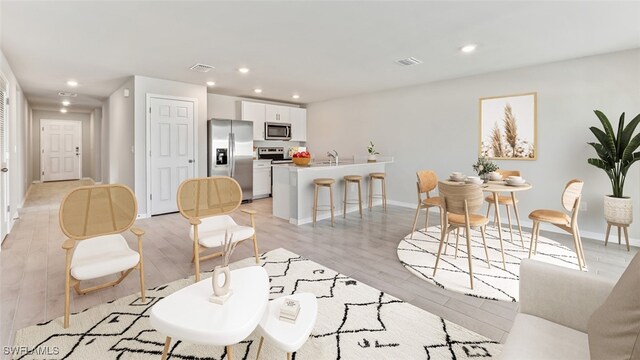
(616, 153)
(372, 151)
(484, 166)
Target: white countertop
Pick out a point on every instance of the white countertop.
(324, 165)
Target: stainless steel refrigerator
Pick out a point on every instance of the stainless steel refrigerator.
(230, 152)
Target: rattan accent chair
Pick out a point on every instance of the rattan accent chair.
(206, 203)
(94, 218)
(569, 223)
(427, 182)
(460, 204)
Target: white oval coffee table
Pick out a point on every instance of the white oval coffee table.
(284, 335)
(188, 315)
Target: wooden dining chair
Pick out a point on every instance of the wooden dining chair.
(567, 222)
(94, 218)
(460, 204)
(427, 182)
(507, 201)
(206, 203)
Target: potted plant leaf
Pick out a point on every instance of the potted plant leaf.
(372, 152)
(616, 153)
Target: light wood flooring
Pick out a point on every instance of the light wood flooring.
(32, 261)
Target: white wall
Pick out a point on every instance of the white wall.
(120, 136)
(87, 153)
(18, 111)
(96, 146)
(104, 143)
(144, 86)
(435, 126)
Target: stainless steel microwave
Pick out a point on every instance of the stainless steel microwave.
(277, 131)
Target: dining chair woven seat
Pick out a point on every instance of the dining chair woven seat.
(550, 216)
(474, 219)
(502, 200)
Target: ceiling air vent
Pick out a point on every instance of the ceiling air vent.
(201, 68)
(408, 61)
(67, 94)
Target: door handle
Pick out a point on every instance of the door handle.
(4, 169)
(191, 161)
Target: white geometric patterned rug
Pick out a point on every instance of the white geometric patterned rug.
(419, 254)
(355, 321)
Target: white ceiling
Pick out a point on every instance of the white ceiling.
(321, 50)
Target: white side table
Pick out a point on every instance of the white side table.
(284, 335)
(188, 315)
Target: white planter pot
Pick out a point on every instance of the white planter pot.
(371, 158)
(618, 210)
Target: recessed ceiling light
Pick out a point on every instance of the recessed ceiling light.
(257, 91)
(72, 83)
(468, 48)
(211, 83)
(243, 70)
(296, 96)
(66, 103)
(63, 110)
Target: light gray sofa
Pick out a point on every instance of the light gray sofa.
(555, 306)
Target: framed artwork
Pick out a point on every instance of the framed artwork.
(508, 127)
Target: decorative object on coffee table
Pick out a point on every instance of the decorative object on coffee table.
(372, 152)
(616, 153)
(222, 292)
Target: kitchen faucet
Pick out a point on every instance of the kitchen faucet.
(333, 155)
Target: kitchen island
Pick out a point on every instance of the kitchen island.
(293, 187)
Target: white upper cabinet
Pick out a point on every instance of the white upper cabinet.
(298, 118)
(255, 112)
(277, 113)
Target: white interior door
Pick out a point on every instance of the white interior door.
(172, 149)
(61, 150)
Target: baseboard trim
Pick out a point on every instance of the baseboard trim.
(336, 213)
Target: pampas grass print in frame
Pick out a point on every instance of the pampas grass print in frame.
(508, 127)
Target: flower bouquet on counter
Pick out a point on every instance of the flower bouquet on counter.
(484, 166)
(301, 158)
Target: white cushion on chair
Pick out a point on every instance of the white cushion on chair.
(101, 256)
(211, 231)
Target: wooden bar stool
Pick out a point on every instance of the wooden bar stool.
(322, 182)
(619, 226)
(356, 179)
(378, 176)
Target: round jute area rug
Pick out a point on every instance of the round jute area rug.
(418, 255)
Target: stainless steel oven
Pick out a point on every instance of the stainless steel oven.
(277, 131)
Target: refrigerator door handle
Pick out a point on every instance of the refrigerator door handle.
(230, 156)
(232, 137)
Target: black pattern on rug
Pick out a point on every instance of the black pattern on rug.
(355, 321)
(418, 255)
